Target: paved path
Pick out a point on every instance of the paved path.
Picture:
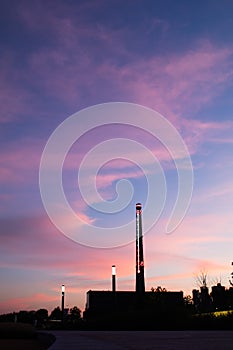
(143, 340)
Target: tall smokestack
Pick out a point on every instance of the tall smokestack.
(113, 278)
(140, 282)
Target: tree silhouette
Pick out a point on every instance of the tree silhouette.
(56, 314)
(75, 313)
(159, 289)
(201, 279)
(41, 315)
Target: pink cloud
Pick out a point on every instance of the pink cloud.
(169, 84)
(29, 302)
(34, 245)
(37, 240)
(189, 250)
(224, 190)
(106, 180)
(174, 89)
(205, 228)
(175, 85)
(19, 158)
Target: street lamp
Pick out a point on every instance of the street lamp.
(113, 278)
(62, 302)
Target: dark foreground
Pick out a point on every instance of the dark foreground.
(17, 336)
(39, 342)
(143, 340)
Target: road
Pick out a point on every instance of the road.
(143, 340)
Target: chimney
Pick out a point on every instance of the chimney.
(140, 282)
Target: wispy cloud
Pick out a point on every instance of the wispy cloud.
(29, 302)
(19, 158)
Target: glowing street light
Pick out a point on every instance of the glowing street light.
(113, 270)
(62, 302)
(113, 278)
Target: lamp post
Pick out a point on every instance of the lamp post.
(114, 287)
(113, 278)
(62, 303)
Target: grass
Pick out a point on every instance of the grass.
(222, 313)
(216, 313)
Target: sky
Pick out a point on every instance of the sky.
(60, 58)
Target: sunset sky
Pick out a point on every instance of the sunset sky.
(59, 57)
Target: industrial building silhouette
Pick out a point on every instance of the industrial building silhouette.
(107, 302)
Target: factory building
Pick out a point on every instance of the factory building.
(106, 302)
